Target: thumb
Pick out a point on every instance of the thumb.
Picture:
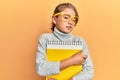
(85, 56)
(80, 52)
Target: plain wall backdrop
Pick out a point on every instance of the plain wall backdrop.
(23, 21)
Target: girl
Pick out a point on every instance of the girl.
(64, 19)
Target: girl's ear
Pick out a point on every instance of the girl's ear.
(54, 19)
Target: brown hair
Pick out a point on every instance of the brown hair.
(60, 7)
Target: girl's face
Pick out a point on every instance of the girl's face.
(65, 21)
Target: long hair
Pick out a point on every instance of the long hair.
(62, 6)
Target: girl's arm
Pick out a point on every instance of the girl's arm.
(88, 70)
(44, 67)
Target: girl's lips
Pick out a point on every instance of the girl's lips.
(68, 27)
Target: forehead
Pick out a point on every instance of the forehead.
(69, 11)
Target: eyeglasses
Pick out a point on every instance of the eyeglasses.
(67, 17)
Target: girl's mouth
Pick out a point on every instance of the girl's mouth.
(68, 27)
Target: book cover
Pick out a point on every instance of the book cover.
(60, 50)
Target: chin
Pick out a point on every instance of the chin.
(67, 32)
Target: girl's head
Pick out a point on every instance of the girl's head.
(65, 17)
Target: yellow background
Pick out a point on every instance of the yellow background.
(23, 21)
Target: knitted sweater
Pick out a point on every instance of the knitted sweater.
(45, 67)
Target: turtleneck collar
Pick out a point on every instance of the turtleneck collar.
(61, 35)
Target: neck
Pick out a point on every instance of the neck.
(62, 36)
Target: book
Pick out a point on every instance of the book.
(60, 50)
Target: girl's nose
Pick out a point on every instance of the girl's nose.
(71, 22)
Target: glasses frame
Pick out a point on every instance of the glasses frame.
(71, 16)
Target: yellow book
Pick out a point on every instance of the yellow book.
(57, 51)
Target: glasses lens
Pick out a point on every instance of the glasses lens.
(74, 19)
(68, 17)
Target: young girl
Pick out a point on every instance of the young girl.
(64, 19)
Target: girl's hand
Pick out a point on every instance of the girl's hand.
(78, 58)
(70, 79)
(56, 79)
(52, 79)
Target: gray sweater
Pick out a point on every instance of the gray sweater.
(45, 67)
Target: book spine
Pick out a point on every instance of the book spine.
(64, 45)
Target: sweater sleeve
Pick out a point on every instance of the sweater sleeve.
(44, 67)
(88, 71)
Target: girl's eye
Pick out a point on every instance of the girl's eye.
(66, 16)
(74, 19)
